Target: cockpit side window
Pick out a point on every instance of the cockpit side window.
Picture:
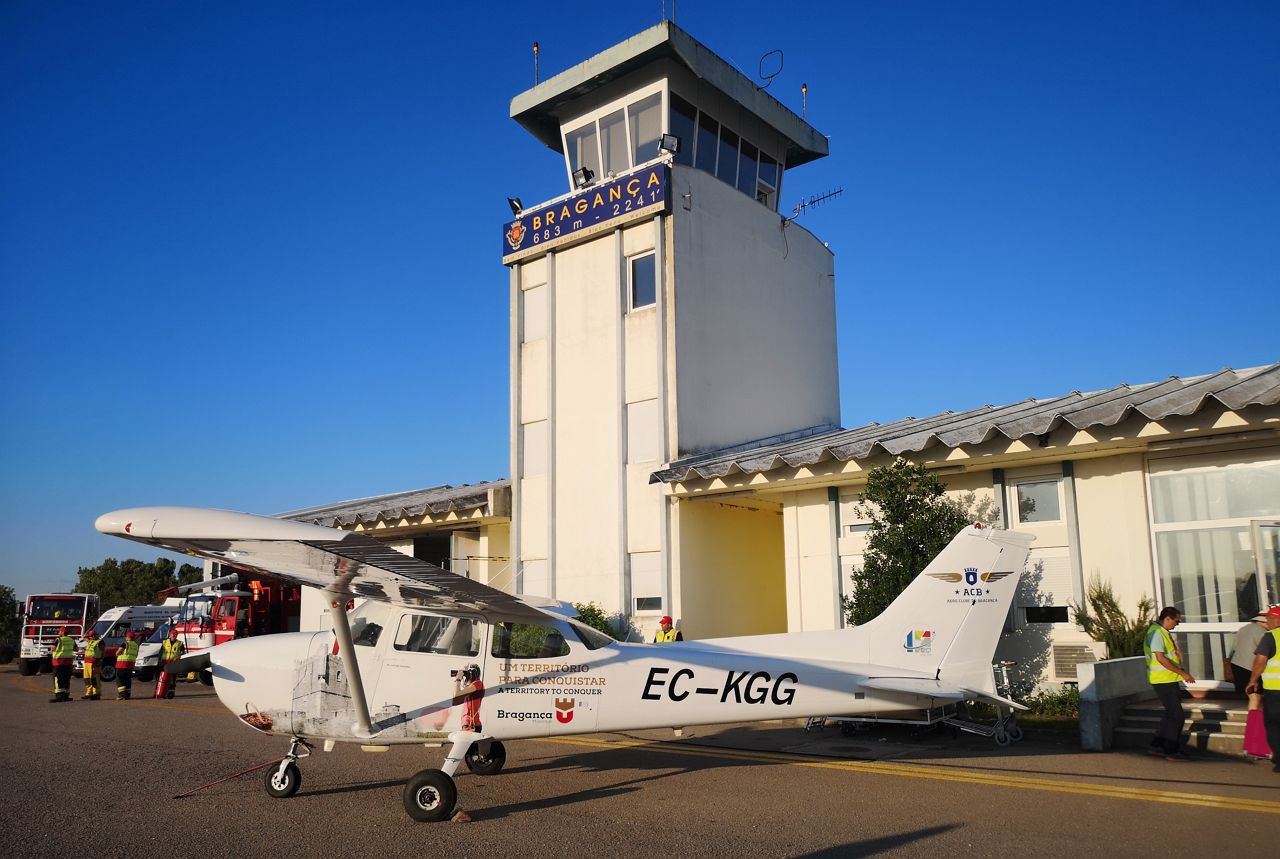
(528, 641)
(419, 633)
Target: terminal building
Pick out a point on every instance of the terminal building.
(676, 445)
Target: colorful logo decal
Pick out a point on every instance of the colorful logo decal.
(515, 235)
(564, 710)
(919, 641)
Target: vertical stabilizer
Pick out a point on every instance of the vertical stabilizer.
(947, 622)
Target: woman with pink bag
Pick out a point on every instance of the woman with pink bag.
(1264, 683)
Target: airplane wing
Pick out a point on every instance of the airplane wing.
(936, 689)
(345, 562)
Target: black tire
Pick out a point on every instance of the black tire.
(27, 667)
(108, 673)
(282, 786)
(146, 675)
(490, 764)
(206, 677)
(430, 796)
(1014, 732)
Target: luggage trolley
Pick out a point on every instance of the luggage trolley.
(1004, 730)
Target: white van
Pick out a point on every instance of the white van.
(115, 623)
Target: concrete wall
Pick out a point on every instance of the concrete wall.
(731, 576)
(811, 564)
(754, 319)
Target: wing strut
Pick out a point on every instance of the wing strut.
(351, 665)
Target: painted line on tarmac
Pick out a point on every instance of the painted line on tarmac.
(1232, 803)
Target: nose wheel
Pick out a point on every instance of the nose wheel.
(284, 780)
(430, 796)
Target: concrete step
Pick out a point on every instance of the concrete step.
(1222, 744)
(1192, 726)
(1195, 711)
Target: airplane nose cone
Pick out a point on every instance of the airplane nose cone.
(258, 678)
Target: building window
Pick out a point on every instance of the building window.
(705, 156)
(727, 164)
(645, 119)
(1202, 509)
(683, 124)
(613, 143)
(767, 182)
(643, 277)
(646, 581)
(1046, 614)
(583, 151)
(1038, 502)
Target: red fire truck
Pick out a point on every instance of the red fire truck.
(43, 616)
(234, 606)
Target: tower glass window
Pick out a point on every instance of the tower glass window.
(645, 119)
(683, 123)
(708, 131)
(747, 160)
(727, 165)
(613, 142)
(583, 150)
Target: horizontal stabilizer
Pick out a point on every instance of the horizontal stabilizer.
(916, 686)
(979, 695)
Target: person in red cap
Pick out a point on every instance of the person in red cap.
(63, 658)
(126, 658)
(1266, 674)
(666, 631)
(92, 666)
(170, 652)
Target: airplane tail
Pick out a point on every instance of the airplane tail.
(947, 622)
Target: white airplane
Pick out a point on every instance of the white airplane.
(433, 657)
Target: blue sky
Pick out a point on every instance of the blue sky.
(248, 251)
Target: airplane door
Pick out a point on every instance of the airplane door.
(416, 693)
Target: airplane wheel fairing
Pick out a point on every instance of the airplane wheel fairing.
(108, 673)
(490, 764)
(286, 785)
(430, 796)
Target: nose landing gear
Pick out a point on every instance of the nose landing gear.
(284, 780)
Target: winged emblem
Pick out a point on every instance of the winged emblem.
(946, 577)
(995, 577)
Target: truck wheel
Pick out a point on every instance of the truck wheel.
(27, 667)
(108, 673)
(283, 785)
(430, 796)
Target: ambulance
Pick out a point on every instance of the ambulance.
(115, 623)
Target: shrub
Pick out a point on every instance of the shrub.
(1103, 620)
(1063, 701)
(593, 616)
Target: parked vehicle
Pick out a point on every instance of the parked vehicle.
(116, 623)
(43, 615)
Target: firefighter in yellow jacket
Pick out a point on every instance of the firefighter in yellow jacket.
(170, 651)
(92, 666)
(126, 657)
(63, 657)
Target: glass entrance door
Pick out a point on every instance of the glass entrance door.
(1266, 549)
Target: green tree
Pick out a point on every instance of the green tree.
(593, 616)
(912, 520)
(133, 582)
(10, 623)
(1103, 620)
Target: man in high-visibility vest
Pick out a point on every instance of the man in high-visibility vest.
(92, 666)
(170, 651)
(1164, 671)
(63, 657)
(126, 656)
(667, 631)
(1266, 672)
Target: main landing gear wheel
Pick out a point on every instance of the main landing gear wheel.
(1014, 732)
(490, 764)
(1002, 737)
(430, 796)
(281, 785)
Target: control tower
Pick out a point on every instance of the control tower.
(661, 308)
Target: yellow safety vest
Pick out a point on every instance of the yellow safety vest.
(669, 635)
(1271, 671)
(127, 654)
(92, 651)
(171, 649)
(1157, 673)
(64, 650)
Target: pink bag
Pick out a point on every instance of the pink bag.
(1255, 736)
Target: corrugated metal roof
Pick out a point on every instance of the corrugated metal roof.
(399, 505)
(1155, 401)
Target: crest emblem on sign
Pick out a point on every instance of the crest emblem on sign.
(970, 575)
(564, 710)
(515, 235)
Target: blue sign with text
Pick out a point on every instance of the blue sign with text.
(644, 191)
